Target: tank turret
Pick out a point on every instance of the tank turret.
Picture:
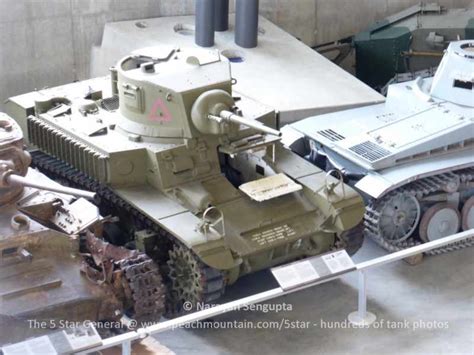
(12, 157)
(454, 78)
(177, 93)
(14, 163)
(194, 170)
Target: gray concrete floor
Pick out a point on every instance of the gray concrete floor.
(440, 289)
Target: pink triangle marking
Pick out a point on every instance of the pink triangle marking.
(160, 105)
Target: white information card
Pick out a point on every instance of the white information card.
(313, 269)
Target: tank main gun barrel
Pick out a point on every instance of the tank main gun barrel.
(18, 180)
(227, 116)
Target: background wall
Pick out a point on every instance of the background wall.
(48, 42)
(321, 21)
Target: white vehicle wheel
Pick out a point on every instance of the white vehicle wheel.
(468, 214)
(439, 221)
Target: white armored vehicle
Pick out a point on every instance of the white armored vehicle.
(412, 156)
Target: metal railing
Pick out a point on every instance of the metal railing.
(360, 317)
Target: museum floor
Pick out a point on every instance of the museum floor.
(423, 309)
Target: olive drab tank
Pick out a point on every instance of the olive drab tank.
(195, 172)
(412, 156)
(51, 270)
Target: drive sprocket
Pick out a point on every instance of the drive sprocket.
(192, 283)
(398, 216)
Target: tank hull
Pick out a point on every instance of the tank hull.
(195, 172)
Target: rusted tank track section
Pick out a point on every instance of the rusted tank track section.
(131, 275)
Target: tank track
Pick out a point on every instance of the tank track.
(140, 287)
(419, 189)
(146, 289)
(351, 240)
(109, 201)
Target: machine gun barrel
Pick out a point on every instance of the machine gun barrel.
(232, 117)
(13, 179)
